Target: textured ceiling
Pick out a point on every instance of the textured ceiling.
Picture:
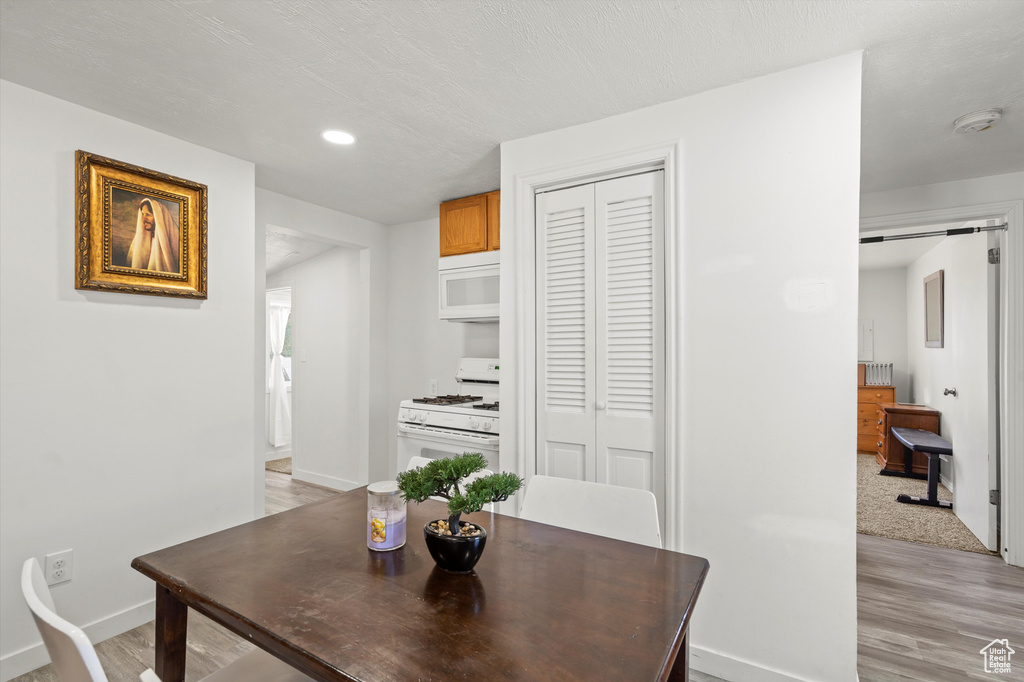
(285, 249)
(431, 87)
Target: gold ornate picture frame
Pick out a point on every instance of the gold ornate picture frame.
(138, 231)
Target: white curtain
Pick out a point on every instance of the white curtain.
(280, 412)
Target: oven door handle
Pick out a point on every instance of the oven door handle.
(445, 435)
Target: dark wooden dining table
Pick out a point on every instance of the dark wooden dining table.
(543, 603)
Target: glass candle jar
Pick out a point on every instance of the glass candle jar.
(385, 516)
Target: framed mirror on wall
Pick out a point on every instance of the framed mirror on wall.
(933, 310)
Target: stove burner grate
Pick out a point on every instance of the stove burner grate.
(448, 399)
(492, 407)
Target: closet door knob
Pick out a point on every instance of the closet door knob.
(599, 405)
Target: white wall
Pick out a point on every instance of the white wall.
(882, 299)
(325, 369)
(422, 346)
(942, 195)
(961, 363)
(122, 429)
(375, 415)
(774, 518)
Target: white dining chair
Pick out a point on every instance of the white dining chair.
(74, 657)
(475, 475)
(597, 508)
(416, 462)
(71, 652)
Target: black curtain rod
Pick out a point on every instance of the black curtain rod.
(936, 233)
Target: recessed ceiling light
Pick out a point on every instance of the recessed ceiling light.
(977, 121)
(337, 137)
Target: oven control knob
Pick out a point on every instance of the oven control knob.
(487, 426)
(474, 424)
(423, 417)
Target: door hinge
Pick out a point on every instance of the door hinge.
(993, 497)
(993, 256)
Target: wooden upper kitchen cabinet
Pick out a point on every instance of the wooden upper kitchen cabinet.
(470, 224)
(493, 220)
(868, 400)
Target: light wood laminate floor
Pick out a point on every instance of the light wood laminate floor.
(923, 612)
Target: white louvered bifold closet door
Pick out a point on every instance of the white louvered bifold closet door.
(566, 383)
(629, 279)
(600, 332)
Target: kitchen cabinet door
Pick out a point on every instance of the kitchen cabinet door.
(464, 225)
(600, 332)
(494, 220)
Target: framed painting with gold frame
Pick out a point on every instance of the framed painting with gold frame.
(138, 231)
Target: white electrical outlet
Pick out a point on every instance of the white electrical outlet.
(58, 567)
(433, 387)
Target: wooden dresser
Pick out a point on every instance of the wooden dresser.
(868, 400)
(890, 451)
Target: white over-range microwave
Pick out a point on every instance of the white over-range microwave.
(468, 287)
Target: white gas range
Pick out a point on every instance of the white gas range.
(442, 426)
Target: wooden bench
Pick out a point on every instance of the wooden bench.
(932, 445)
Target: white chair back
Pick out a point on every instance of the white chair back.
(416, 462)
(71, 652)
(475, 475)
(597, 508)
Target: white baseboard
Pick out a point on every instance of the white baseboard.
(946, 482)
(278, 454)
(28, 659)
(325, 481)
(729, 668)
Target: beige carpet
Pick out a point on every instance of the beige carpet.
(878, 512)
(281, 466)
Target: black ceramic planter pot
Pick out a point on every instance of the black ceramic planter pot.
(455, 553)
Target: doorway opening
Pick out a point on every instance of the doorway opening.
(317, 294)
(924, 579)
(929, 364)
(279, 380)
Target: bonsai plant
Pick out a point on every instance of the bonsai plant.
(456, 545)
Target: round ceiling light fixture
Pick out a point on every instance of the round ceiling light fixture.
(977, 121)
(338, 136)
